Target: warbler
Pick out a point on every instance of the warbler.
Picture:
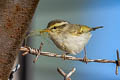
(68, 37)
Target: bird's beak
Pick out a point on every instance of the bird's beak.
(44, 30)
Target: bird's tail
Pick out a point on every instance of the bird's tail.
(94, 28)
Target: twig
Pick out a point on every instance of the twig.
(66, 76)
(28, 50)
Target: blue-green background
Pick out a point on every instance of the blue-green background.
(102, 45)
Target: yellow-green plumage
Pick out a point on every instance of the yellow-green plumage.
(68, 37)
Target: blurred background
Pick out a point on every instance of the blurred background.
(102, 45)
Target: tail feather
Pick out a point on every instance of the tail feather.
(94, 28)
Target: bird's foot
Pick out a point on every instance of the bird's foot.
(64, 56)
(85, 59)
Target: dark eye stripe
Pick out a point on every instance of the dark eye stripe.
(55, 27)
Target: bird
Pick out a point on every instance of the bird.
(68, 37)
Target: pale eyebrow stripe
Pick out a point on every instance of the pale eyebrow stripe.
(59, 24)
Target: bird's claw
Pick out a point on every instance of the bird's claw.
(63, 56)
(85, 59)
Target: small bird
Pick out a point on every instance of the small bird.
(68, 37)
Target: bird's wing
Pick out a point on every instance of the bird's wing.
(74, 29)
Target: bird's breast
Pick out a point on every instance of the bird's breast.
(70, 43)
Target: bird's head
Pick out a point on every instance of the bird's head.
(55, 25)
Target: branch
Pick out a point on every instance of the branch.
(15, 16)
(37, 52)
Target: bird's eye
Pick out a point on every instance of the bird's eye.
(54, 27)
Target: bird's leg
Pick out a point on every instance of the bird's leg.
(85, 56)
(64, 55)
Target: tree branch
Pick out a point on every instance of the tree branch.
(15, 16)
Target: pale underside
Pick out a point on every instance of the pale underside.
(69, 43)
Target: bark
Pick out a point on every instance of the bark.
(15, 16)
